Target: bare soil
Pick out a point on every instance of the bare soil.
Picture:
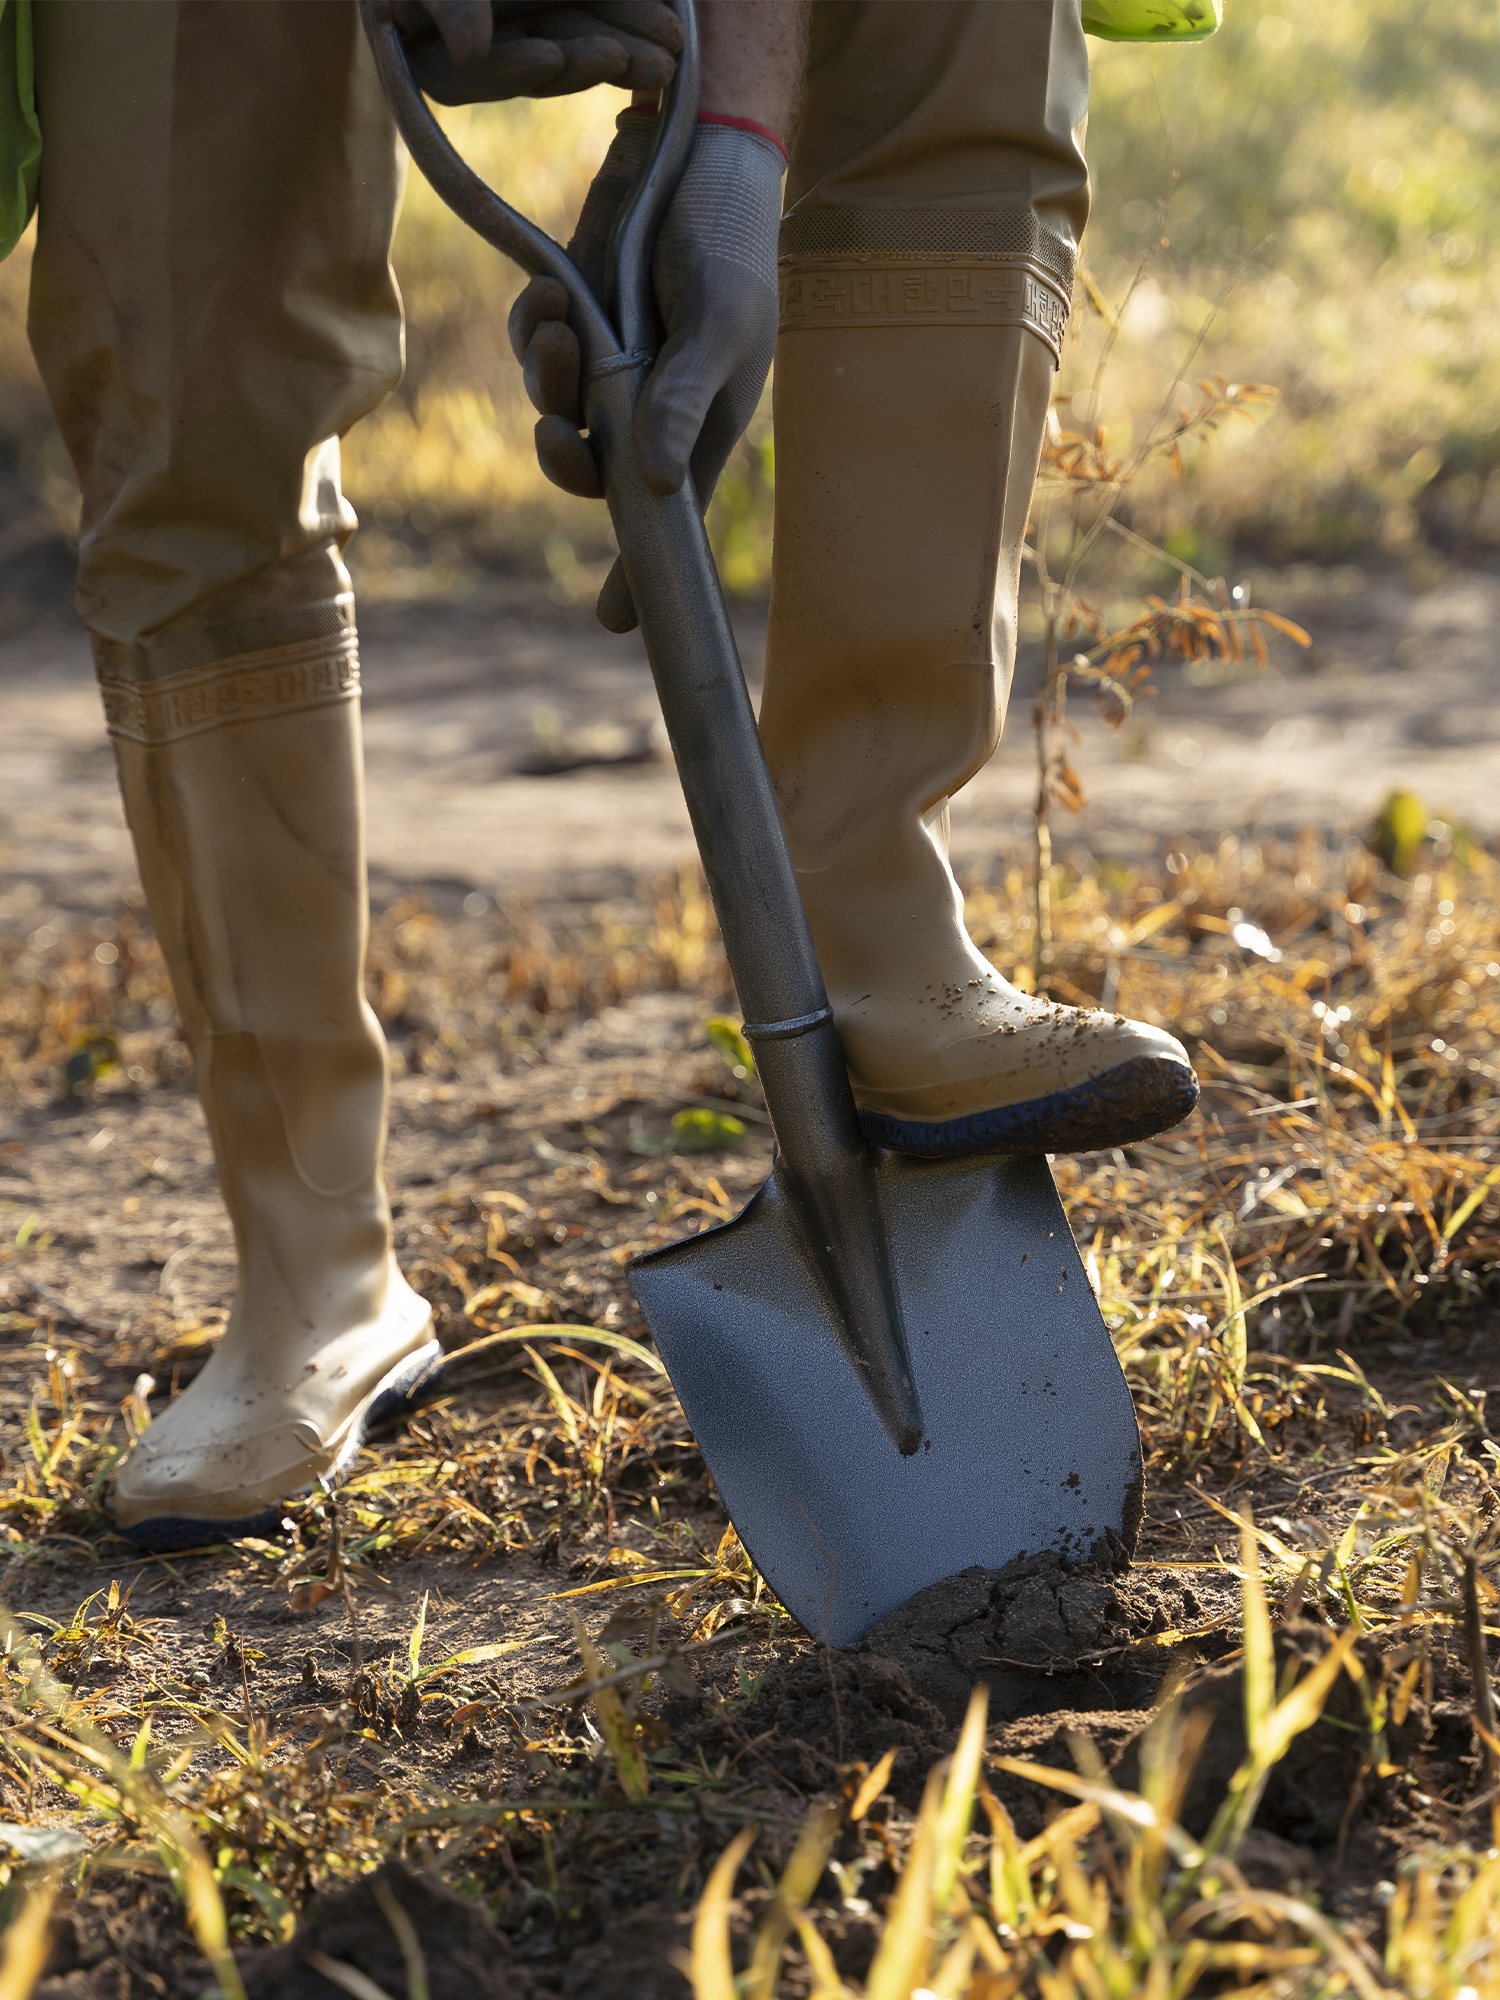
(132, 1249)
(558, 1152)
(464, 703)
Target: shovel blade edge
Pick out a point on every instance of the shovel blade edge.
(1030, 1441)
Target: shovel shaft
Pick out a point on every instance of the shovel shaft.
(824, 1170)
(824, 1164)
(706, 708)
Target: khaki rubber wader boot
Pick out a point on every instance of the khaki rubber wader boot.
(906, 458)
(243, 789)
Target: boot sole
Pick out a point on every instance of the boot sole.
(395, 1396)
(1140, 1098)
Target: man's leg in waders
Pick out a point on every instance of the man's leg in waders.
(212, 307)
(935, 199)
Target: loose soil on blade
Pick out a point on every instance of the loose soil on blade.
(527, 1167)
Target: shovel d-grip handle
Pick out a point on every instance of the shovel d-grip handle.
(823, 1167)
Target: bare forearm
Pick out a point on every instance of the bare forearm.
(754, 58)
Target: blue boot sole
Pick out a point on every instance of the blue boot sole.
(1132, 1102)
(395, 1397)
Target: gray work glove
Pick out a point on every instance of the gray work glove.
(713, 276)
(479, 51)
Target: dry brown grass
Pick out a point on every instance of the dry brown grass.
(1330, 1213)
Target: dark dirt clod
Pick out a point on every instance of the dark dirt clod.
(637, 1959)
(462, 1950)
(1038, 1612)
(818, 1711)
(907, 1684)
(1049, 1738)
(1320, 1785)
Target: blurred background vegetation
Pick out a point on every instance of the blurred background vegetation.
(1331, 173)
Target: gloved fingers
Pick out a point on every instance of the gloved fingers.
(519, 63)
(542, 300)
(588, 60)
(616, 610)
(597, 52)
(722, 429)
(518, 48)
(565, 458)
(514, 67)
(651, 68)
(464, 25)
(639, 68)
(552, 372)
(669, 416)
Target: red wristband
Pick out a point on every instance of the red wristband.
(722, 118)
(743, 125)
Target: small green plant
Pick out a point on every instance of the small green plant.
(95, 1053)
(728, 1037)
(409, 1706)
(1400, 829)
(700, 1130)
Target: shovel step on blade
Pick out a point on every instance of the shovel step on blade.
(1030, 1439)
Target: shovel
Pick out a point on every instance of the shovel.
(895, 1369)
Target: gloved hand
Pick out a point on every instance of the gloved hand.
(713, 275)
(479, 51)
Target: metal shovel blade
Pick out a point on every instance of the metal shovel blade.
(1030, 1439)
(895, 1369)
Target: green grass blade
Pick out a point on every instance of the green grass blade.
(957, 1809)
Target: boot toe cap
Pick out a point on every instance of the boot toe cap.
(234, 1481)
(221, 1479)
